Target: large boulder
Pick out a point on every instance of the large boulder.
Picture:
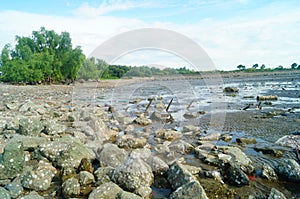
(289, 140)
(275, 194)
(178, 175)
(15, 188)
(107, 190)
(71, 188)
(190, 190)
(31, 126)
(130, 142)
(112, 155)
(12, 160)
(288, 169)
(135, 175)
(234, 175)
(4, 194)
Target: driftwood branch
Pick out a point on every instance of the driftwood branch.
(167, 109)
(268, 97)
(190, 104)
(148, 106)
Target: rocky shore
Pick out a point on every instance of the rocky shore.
(51, 147)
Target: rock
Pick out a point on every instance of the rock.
(135, 175)
(181, 146)
(178, 175)
(157, 165)
(275, 194)
(168, 134)
(142, 121)
(192, 169)
(31, 126)
(53, 127)
(270, 151)
(127, 195)
(15, 188)
(143, 153)
(191, 128)
(162, 116)
(234, 175)
(39, 179)
(32, 195)
(190, 190)
(112, 155)
(231, 90)
(4, 194)
(12, 160)
(128, 141)
(289, 170)
(107, 190)
(160, 105)
(246, 140)
(99, 127)
(85, 178)
(86, 165)
(226, 137)
(11, 106)
(66, 152)
(269, 173)
(71, 188)
(211, 137)
(269, 97)
(289, 140)
(29, 142)
(103, 175)
(27, 106)
(191, 115)
(162, 148)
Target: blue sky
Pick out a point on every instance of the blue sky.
(232, 32)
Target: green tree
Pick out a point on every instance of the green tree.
(241, 67)
(262, 66)
(255, 66)
(294, 65)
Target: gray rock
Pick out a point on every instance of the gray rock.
(29, 142)
(178, 175)
(53, 127)
(190, 190)
(157, 165)
(211, 137)
(103, 175)
(15, 188)
(191, 115)
(162, 148)
(32, 195)
(12, 160)
(128, 141)
(40, 178)
(143, 121)
(246, 140)
(4, 194)
(127, 195)
(168, 134)
(288, 169)
(71, 188)
(269, 173)
(12, 106)
(107, 190)
(27, 106)
(234, 175)
(275, 194)
(135, 175)
(289, 140)
(231, 90)
(86, 178)
(112, 155)
(31, 126)
(162, 116)
(143, 153)
(181, 146)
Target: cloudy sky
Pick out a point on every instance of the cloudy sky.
(232, 32)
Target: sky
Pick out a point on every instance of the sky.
(231, 32)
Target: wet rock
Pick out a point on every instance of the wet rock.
(99, 127)
(86, 165)
(192, 169)
(32, 195)
(275, 194)
(53, 127)
(191, 128)
(107, 190)
(157, 165)
(85, 178)
(246, 140)
(12, 106)
(142, 121)
(128, 141)
(135, 175)
(12, 160)
(190, 190)
(162, 116)
(226, 137)
(168, 134)
(29, 142)
(231, 90)
(160, 105)
(289, 170)
(211, 137)
(31, 126)
(103, 175)
(268, 97)
(71, 188)
(162, 148)
(191, 115)
(112, 155)
(178, 175)
(269, 173)
(15, 188)
(181, 146)
(143, 153)
(292, 141)
(4, 194)
(216, 175)
(40, 178)
(234, 175)
(270, 151)
(127, 195)
(27, 106)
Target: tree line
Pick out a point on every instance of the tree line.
(256, 67)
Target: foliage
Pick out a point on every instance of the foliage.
(255, 66)
(241, 67)
(294, 65)
(44, 56)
